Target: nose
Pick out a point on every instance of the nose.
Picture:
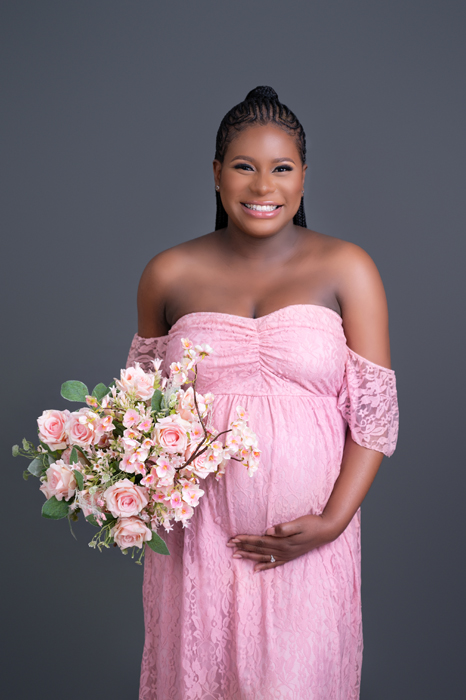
(263, 184)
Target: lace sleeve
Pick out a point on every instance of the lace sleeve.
(144, 350)
(368, 402)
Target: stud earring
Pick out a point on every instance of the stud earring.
(217, 187)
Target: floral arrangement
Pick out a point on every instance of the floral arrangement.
(132, 458)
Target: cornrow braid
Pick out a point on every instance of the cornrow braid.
(260, 107)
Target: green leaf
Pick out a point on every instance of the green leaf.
(74, 391)
(99, 391)
(26, 475)
(74, 456)
(79, 479)
(54, 509)
(157, 544)
(15, 450)
(92, 520)
(51, 459)
(36, 467)
(156, 400)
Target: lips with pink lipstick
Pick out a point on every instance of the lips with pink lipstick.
(262, 210)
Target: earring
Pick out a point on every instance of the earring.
(217, 187)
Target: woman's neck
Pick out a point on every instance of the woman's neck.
(276, 247)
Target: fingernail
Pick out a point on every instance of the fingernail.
(234, 540)
(231, 544)
(237, 556)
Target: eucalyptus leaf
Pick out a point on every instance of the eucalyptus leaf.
(157, 544)
(79, 479)
(51, 459)
(36, 467)
(73, 456)
(55, 509)
(74, 391)
(156, 400)
(91, 519)
(99, 391)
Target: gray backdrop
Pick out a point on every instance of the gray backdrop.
(109, 114)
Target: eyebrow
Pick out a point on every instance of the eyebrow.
(275, 160)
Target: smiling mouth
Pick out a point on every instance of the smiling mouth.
(262, 207)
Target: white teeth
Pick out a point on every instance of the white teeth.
(262, 207)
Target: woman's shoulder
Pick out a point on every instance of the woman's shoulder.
(176, 258)
(336, 251)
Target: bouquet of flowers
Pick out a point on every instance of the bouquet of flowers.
(132, 458)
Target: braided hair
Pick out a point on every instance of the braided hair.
(260, 107)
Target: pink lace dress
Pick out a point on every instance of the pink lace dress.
(215, 630)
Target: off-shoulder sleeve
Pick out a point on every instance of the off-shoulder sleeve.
(368, 402)
(144, 350)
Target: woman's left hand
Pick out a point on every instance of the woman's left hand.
(285, 542)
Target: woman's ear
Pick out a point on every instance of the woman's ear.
(217, 171)
(304, 173)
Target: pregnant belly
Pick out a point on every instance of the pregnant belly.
(301, 455)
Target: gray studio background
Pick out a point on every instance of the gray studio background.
(109, 111)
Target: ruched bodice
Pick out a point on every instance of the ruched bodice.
(215, 630)
(297, 350)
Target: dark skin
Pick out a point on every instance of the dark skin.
(256, 266)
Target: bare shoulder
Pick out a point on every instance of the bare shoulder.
(160, 276)
(361, 295)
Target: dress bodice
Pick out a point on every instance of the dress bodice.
(299, 350)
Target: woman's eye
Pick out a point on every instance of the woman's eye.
(243, 166)
(283, 168)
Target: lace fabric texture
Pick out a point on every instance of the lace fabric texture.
(214, 629)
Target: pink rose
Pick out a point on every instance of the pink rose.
(171, 434)
(130, 532)
(125, 499)
(80, 431)
(60, 483)
(135, 380)
(52, 429)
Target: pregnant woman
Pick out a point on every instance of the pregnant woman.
(260, 598)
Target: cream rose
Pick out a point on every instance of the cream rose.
(125, 499)
(171, 434)
(135, 380)
(60, 483)
(130, 532)
(52, 428)
(80, 433)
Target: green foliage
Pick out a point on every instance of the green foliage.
(99, 392)
(55, 509)
(156, 402)
(74, 391)
(15, 451)
(157, 544)
(36, 467)
(74, 456)
(79, 479)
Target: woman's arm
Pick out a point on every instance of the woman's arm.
(365, 320)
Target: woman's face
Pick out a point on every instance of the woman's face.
(261, 180)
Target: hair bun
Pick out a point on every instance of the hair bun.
(262, 91)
